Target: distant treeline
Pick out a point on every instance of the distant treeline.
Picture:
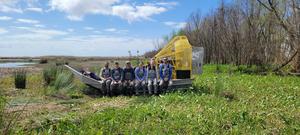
(248, 32)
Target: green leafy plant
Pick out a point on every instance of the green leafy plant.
(64, 81)
(43, 61)
(50, 74)
(20, 79)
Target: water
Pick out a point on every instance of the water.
(16, 64)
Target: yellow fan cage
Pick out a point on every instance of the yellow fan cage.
(179, 52)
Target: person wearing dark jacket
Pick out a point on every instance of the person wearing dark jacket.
(105, 75)
(128, 78)
(117, 77)
(86, 72)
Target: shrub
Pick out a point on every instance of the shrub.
(254, 69)
(50, 74)
(20, 79)
(64, 81)
(61, 63)
(43, 61)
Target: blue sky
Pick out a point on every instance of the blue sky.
(90, 27)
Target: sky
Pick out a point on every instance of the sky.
(91, 27)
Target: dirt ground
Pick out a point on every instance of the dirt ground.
(9, 71)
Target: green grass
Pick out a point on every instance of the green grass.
(20, 79)
(266, 104)
(2, 105)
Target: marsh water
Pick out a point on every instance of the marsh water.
(16, 64)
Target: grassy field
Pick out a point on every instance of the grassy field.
(224, 103)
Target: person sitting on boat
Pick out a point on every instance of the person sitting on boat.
(152, 77)
(117, 77)
(105, 75)
(140, 78)
(165, 73)
(128, 78)
(86, 72)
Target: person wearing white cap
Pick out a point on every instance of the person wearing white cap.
(165, 73)
(152, 77)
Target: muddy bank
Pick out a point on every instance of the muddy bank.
(10, 71)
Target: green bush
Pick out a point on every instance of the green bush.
(43, 61)
(58, 80)
(254, 69)
(64, 81)
(20, 79)
(50, 74)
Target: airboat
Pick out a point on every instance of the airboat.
(186, 60)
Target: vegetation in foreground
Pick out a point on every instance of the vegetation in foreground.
(222, 102)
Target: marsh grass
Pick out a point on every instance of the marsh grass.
(20, 79)
(64, 81)
(58, 81)
(2, 106)
(50, 73)
(219, 86)
(249, 104)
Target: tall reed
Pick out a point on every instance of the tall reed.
(20, 79)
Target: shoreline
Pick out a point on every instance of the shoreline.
(4, 72)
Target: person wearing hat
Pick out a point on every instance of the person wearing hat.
(152, 77)
(117, 77)
(105, 75)
(128, 79)
(165, 73)
(140, 78)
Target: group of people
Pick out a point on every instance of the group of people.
(129, 80)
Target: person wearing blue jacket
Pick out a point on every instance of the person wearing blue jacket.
(152, 77)
(165, 73)
(128, 78)
(117, 77)
(140, 78)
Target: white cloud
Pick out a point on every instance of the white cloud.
(49, 32)
(168, 4)
(111, 30)
(175, 25)
(2, 31)
(29, 33)
(8, 6)
(39, 26)
(77, 9)
(5, 18)
(23, 28)
(88, 28)
(40, 10)
(70, 30)
(29, 21)
(116, 31)
(90, 45)
(134, 13)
